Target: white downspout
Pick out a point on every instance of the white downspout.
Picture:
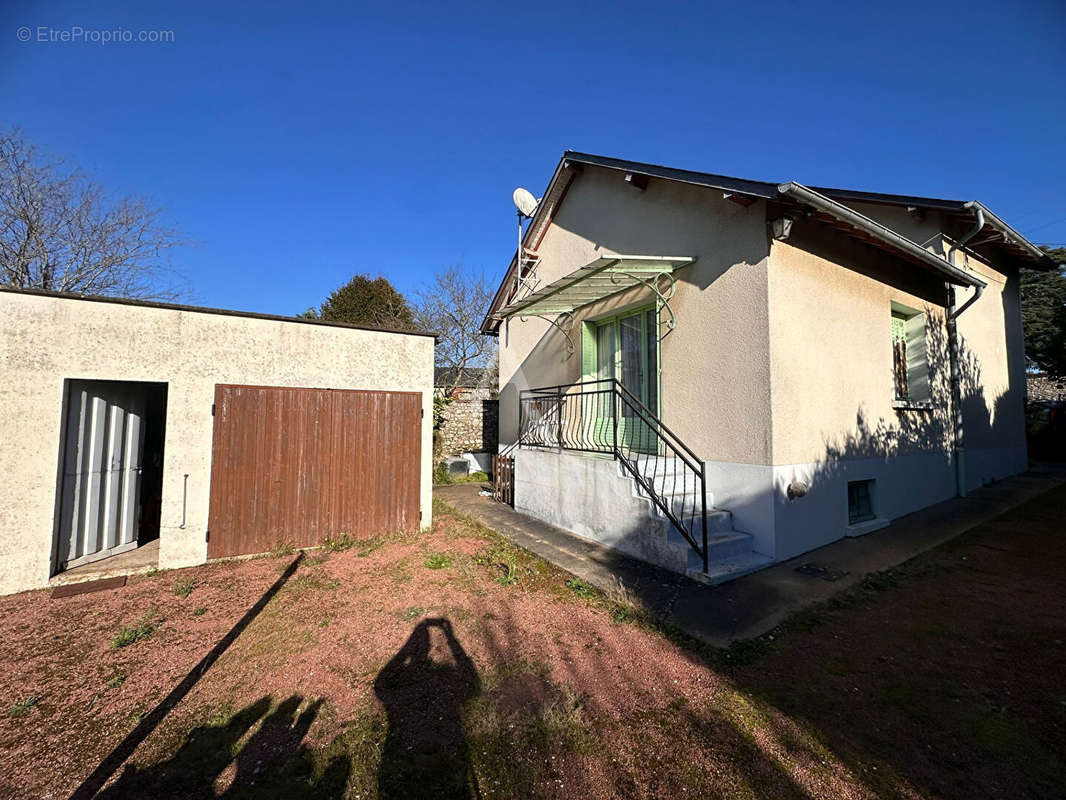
(953, 355)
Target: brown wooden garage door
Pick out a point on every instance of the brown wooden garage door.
(292, 466)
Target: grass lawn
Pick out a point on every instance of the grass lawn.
(451, 664)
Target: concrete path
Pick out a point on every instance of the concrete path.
(754, 604)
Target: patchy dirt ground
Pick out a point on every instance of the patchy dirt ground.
(450, 664)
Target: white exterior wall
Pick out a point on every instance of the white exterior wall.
(715, 371)
(45, 340)
(613, 514)
(832, 386)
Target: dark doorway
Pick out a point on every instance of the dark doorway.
(111, 461)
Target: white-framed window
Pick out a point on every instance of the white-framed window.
(910, 355)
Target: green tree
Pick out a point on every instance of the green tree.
(1044, 316)
(366, 301)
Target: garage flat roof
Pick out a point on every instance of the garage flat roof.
(126, 301)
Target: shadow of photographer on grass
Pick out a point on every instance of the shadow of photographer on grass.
(260, 750)
(423, 689)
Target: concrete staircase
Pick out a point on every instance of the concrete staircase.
(729, 552)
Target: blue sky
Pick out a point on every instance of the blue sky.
(299, 143)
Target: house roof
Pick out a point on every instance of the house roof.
(846, 219)
(128, 301)
(824, 203)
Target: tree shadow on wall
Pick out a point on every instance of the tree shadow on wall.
(272, 762)
(926, 431)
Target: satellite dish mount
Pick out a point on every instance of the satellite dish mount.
(526, 205)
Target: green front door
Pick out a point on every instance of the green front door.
(627, 349)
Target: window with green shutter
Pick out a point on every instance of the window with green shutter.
(910, 365)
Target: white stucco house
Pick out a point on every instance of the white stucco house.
(715, 374)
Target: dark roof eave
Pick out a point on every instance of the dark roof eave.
(490, 325)
(762, 189)
(1017, 245)
(890, 239)
(891, 199)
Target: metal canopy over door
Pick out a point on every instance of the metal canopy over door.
(293, 466)
(102, 460)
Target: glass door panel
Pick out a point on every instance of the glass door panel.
(605, 362)
(630, 356)
(605, 351)
(651, 348)
(627, 348)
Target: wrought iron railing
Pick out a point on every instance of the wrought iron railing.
(602, 416)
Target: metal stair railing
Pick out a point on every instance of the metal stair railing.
(603, 416)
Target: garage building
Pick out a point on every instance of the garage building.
(139, 434)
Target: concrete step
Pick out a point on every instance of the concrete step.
(682, 505)
(721, 545)
(673, 478)
(729, 552)
(689, 493)
(719, 520)
(726, 570)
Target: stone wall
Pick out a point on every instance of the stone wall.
(1041, 387)
(470, 424)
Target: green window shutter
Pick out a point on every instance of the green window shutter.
(917, 358)
(588, 351)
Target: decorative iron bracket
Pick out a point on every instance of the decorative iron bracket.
(663, 295)
(564, 323)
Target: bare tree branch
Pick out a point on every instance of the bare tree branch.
(453, 306)
(58, 231)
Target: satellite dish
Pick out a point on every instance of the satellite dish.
(525, 202)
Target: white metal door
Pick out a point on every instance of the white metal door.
(99, 512)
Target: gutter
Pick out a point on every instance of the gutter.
(953, 351)
(801, 194)
(1010, 236)
(946, 266)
